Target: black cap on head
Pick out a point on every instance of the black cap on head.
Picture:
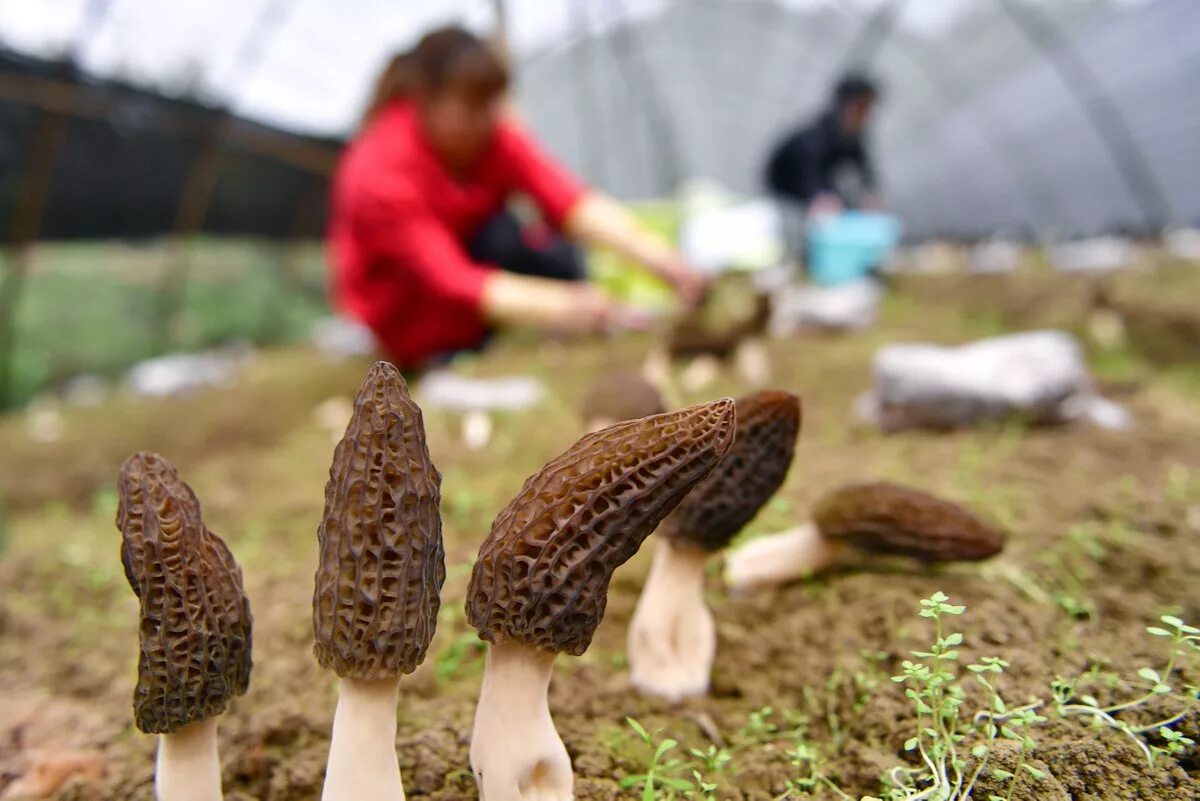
(854, 86)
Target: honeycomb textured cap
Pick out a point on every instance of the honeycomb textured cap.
(893, 519)
(194, 638)
(712, 514)
(543, 572)
(382, 564)
(622, 395)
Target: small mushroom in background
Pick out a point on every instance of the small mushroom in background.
(672, 638)
(705, 349)
(877, 518)
(378, 582)
(194, 637)
(618, 396)
(540, 584)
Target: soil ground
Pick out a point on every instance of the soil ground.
(1104, 538)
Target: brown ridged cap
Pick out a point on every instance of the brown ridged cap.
(889, 518)
(715, 511)
(542, 574)
(194, 637)
(381, 566)
(622, 395)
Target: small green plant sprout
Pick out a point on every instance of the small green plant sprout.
(713, 759)
(1183, 484)
(1157, 689)
(759, 727)
(944, 740)
(662, 779)
(806, 760)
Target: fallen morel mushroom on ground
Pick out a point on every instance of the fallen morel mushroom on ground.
(878, 518)
(377, 589)
(194, 637)
(541, 581)
(672, 639)
(619, 396)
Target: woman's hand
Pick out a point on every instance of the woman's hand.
(599, 220)
(689, 284)
(563, 306)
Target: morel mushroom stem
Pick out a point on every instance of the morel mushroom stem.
(794, 553)
(187, 767)
(672, 639)
(516, 753)
(362, 751)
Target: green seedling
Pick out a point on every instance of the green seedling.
(944, 739)
(1156, 686)
(662, 779)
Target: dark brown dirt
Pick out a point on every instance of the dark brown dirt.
(1103, 541)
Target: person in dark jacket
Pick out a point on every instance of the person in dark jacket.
(826, 165)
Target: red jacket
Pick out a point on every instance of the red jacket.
(399, 221)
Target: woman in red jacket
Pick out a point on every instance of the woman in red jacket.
(424, 252)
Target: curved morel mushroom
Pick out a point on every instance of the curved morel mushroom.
(672, 638)
(377, 589)
(540, 584)
(619, 396)
(194, 638)
(879, 518)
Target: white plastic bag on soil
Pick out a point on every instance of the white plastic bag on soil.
(841, 307)
(1040, 375)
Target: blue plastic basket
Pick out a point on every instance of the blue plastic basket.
(846, 247)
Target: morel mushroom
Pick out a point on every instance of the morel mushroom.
(541, 581)
(672, 639)
(619, 396)
(377, 589)
(703, 348)
(878, 518)
(194, 637)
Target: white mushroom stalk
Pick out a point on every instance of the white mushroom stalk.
(516, 752)
(672, 638)
(540, 583)
(187, 767)
(362, 749)
(776, 558)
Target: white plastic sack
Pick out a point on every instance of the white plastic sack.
(747, 236)
(1096, 255)
(179, 373)
(841, 307)
(341, 338)
(443, 389)
(1040, 375)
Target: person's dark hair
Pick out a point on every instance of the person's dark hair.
(854, 86)
(447, 59)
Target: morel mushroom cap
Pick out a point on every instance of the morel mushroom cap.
(381, 563)
(620, 396)
(889, 518)
(543, 572)
(194, 636)
(757, 463)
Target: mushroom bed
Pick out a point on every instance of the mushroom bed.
(1103, 539)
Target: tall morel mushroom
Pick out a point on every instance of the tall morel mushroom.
(672, 639)
(541, 581)
(194, 638)
(377, 589)
(879, 518)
